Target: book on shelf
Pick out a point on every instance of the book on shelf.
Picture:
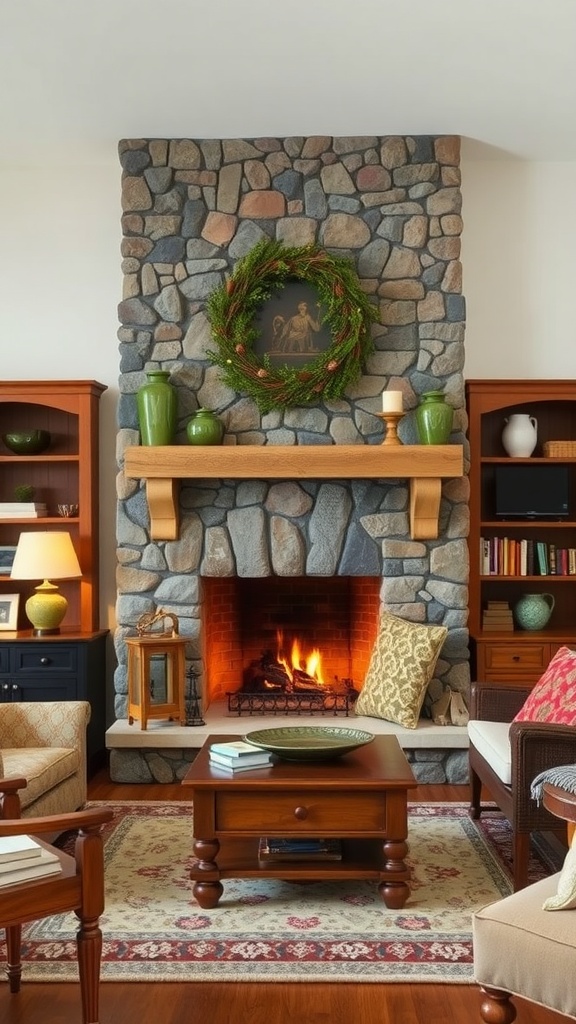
(542, 558)
(256, 759)
(39, 867)
(18, 848)
(236, 748)
(299, 849)
(22, 510)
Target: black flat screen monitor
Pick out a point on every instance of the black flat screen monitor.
(532, 492)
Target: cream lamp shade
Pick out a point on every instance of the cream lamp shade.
(45, 555)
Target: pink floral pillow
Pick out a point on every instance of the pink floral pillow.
(553, 699)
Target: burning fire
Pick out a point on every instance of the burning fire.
(310, 663)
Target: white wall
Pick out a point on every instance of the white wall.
(61, 282)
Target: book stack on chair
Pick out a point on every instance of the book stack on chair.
(22, 859)
(239, 756)
(498, 616)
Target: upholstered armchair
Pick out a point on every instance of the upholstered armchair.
(504, 758)
(45, 743)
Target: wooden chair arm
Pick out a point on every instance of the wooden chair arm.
(76, 820)
(12, 785)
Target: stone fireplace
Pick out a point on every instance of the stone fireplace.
(191, 208)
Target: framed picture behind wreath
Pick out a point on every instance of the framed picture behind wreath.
(9, 611)
(292, 325)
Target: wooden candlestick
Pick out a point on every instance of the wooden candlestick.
(391, 420)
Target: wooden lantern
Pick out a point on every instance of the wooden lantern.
(156, 672)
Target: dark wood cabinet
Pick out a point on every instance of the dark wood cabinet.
(66, 667)
(519, 655)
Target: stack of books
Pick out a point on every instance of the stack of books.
(498, 616)
(22, 859)
(22, 510)
(238, 756)
(299, 849)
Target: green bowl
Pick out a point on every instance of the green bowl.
(27, 442)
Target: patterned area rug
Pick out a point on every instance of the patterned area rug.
(267, 930)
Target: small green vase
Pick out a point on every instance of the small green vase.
(205, 428)
(434, 418)
(156, 405)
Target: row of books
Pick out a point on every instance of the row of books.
(22, 859)
(506, 556)
(238, 756)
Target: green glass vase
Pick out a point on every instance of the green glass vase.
(205, 428)
(156, 405)
(434, 418)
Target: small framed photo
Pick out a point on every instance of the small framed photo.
(6, 559)
(9, 611)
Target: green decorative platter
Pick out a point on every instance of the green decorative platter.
(309, 743)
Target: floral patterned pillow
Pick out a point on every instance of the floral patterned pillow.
(401, 666)
(553, 699)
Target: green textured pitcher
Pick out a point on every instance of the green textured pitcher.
(156, 405)
(533, 611)
(434, 418)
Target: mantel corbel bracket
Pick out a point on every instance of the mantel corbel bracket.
(425, 494)
(163, 494)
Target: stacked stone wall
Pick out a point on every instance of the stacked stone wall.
(191, 209)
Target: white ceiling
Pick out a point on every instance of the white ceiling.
(78, 75)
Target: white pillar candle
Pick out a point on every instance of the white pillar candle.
(392, 401)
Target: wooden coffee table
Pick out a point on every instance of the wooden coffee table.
(360, 798)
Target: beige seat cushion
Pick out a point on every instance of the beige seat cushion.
(492, 741)
(521, 948)
(43, 767)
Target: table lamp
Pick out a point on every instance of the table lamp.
(45, 555)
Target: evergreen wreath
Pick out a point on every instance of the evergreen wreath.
(232, 309)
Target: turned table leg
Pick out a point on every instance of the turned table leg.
(206, 892)
(395, 891)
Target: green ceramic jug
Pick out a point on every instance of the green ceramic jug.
(205, 428)
(434, 418)
(156, 405)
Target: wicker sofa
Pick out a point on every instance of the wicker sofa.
(45, 743)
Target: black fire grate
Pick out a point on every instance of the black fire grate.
(242, 703)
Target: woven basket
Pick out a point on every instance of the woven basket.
(559, 449)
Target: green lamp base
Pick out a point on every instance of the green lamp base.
(46, 608)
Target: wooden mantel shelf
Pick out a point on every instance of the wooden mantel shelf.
(423, 465)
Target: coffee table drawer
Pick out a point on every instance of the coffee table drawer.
(260, 813)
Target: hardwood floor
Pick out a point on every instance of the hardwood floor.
(245, 1003)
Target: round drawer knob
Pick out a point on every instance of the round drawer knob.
(301, 813)
(515, 657)
(44, 661)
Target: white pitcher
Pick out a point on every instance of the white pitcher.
(520, 435)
